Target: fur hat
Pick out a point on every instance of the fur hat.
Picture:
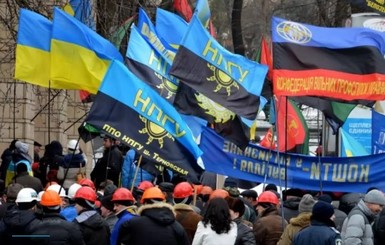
(306, 204)
(322, 210)
(376, 197)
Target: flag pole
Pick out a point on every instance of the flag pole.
(14, 111)
(42, 109)
(136, 172)
(49, 111)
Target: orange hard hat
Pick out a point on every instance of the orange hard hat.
(183, 190)
(153, 193)
(122, 194)
(268, 197)
(87, 182)
(50, 198)
(86, 193)
(219, 193)
(144, 185)
(206, 190)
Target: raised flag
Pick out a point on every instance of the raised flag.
(119, 34)
(170, 27)
(292, 130)
(378, 132)
(268, 140)
(79, 56)
(183, 8)
(33, 43)
(350, 147)
(149, 66)
(307, 62)
(129, 110)
(147, 30)
(230, 80)
(202, 11)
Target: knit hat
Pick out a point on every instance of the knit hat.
(306, 204)
(376, 197)
(322, 210)
(166, 187)
(107, 203)
(249, 193)
(325, 198)
(12, 191)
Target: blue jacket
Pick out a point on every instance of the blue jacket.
(122, 217)
(128, 171)
(318, 233)
(69, 213)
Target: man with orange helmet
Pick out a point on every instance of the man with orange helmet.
(122, 198)
(54, 225)
(185, 213)
(155, 225)
(94, 228)
(268, 228)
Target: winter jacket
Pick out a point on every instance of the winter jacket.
(11, 171)
(205, 235)
(6, 159)
(290, 208)
(73, 163)
(296, 224)
(113, 160)
(29, 181)
(155, 225)
(129, 169)
(69, 212)
(111, 220)
(340, 218)
(245, 235)
(188, 218)
(17, 222)
(349, 200)
(318, 233)
(50, 162)
(269, 227)
(94, 228)
(356, 228)
(58, 229)
(122, 217)
(379, 229)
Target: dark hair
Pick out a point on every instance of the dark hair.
(218, 215)
(236, 205)
(21, 168)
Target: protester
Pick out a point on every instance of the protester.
(54, 229)
(269, 227)
(107, 211)
(69, 212)
(94, 229)
(36, 150)
(22, 177)
(291, 202)
(6, 158)
(300, 222)
(19, 156)
(168, 189)
(245, 234)
(357, 228)
(155, 224)
(50, 162)
(322, 229)
(216, 226)
(184, 194)
(122, 199)
(340, 216)
(10, 198)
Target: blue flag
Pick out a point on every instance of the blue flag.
(378, 132)
(350, 146)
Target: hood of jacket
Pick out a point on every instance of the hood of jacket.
(302, 220)
(16, 219)
(161, 213)
(292, 203)
(182, 207)
(369, 214)
(94, 221)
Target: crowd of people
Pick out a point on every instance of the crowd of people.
(49, 200)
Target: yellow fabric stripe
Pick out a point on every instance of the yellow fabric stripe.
(75, 67)
(32, 65)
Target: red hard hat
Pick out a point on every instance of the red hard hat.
(144, 185)
(122, 194)
(86, 193)
(219, 193)
(87, 182)
(268, 197)
(183, 190)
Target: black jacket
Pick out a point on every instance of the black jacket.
(58, 230)
(113, 159)
(155, 225)
(290, 208)
(379, 229)
(245, 234)
(94, 229)
(17, 222)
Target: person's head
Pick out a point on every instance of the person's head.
(36, 147)
(183, 193)
(21, 168)
(375, 201)
(271, 187)
(87, 182)
(306, 204)
(219, 193)
(205, 193)
(61, 192)
(21, 149)
(250, 195)
(103, 185)
(152, 195)
(85, 199)
(323, 211)
(217, 215)
(51, 202)
(107, 206)
(26, 199)
(293, 193)
(73, 146)
(237, 207)
(72, 191)
(108, 142)
(168, 189)
(267, 199)
(12, 191)
(122, 198)
(326, 198)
